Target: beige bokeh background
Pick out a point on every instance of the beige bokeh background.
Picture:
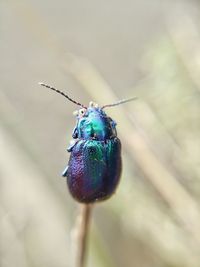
(101, 51)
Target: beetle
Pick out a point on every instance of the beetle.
(94, 168)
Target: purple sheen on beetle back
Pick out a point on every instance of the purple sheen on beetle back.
(94, 169)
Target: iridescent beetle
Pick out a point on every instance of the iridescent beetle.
(94, 168)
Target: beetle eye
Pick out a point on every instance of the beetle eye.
(82, 112)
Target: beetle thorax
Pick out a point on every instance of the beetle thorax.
(93, 123)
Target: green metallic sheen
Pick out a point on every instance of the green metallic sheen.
(94, 168)
(95, 123)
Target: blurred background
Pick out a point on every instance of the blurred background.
(101, 51)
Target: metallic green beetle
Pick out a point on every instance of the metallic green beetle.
(94, 168)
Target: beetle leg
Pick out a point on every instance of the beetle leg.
(113, 125)
(75, 133)
(71, 145)
(64, 173)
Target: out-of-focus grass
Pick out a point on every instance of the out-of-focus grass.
(149, 132)
(154, 218)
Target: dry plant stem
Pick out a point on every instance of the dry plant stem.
(84, 224)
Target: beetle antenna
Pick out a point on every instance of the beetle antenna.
(120, 102)
(63, 94)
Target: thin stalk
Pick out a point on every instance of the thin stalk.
(82, 230)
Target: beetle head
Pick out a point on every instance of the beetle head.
(93, 123)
